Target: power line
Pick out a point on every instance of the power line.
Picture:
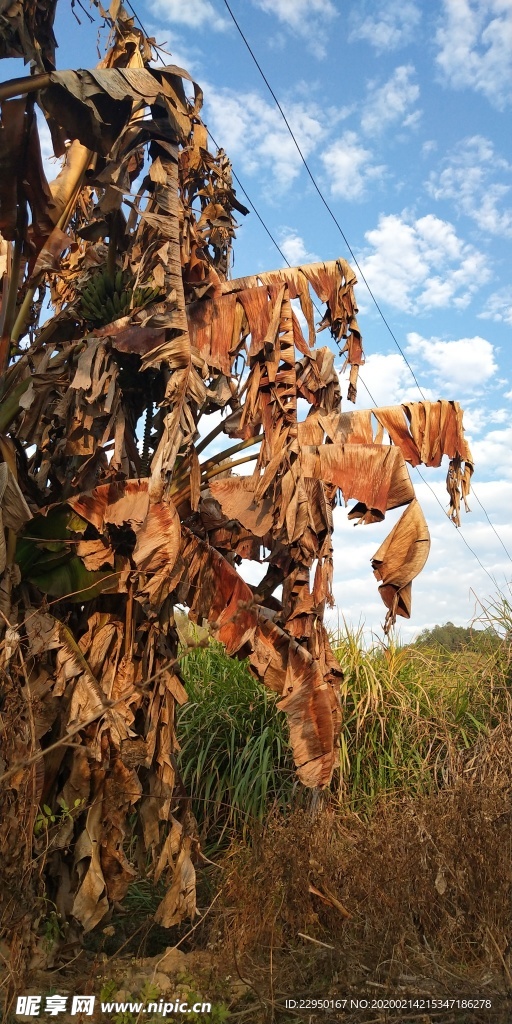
(322, 197)
(253, 208)
(459, 531)
(136, 16)
(491, 524)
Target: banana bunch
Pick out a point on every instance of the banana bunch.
(106, 298)
(143, 296)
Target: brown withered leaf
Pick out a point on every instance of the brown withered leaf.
(74, 98)
(180, 899)
(399, 559)
(95, 554)
(22, 178)
(27, 31)
(424, 432)
(154, 526)
(91, 902)
(126, 502)
(214, 322)
(376, 475)
(237, 499)
(121, 791)
(127, 338)
(14, 511)
(43, 632)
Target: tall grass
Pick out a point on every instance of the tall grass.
(413, 717)
(412, 714)
(235, 758)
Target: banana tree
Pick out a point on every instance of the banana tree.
(112, 511)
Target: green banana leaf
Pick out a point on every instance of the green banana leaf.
(50, 563)
(71, 580)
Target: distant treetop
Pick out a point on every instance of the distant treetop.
(453, 638)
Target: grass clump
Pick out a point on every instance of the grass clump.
(235, 758)
(411, 715)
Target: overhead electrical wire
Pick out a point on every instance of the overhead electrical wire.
(491, 524)
(253, 208)
(349, 247)
(136, 16)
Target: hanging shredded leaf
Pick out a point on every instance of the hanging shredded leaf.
(26, 30)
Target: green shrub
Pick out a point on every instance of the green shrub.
(457, 638)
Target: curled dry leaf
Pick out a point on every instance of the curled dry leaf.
(27, 31)
(399, 559)
(151, 530)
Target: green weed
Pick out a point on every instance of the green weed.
(235, 757)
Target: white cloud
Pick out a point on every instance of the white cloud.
(493, 452)
(294, 248)
(475, 50)
(389, 103)
(428, 147)
(499, 416)
(498, 306)
(412, 120)
(475, 419)
(307, 18)
(389, 382)
(391, 26)
(462, 366)
(452, 577)
(253, 132)
(468, 178)
(196, 14)
(349, 167)
(422, 264)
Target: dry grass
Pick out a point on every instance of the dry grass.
(427, 883)
(411, 715)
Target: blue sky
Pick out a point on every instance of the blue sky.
(402, 110)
